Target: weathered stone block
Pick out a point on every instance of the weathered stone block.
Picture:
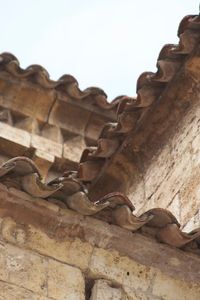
(172, 289)
(3, 267)
(15, 135)
(192, 223)
(65, 282)
(120, 269)
(13, 292)
(47, 146)
(26, 98)
(104, 290)
(73, 252)
(63, 115)
(23, 269)
(172, 179)
(175, 206)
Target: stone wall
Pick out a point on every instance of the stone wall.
(51, 253)
(27, 275)
(172, 179)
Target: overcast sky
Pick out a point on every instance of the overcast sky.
(104, 43)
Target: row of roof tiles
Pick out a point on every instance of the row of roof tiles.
(130, 111)
(65, 85)
(150, 86)
(68, 192)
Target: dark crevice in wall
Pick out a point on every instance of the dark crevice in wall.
(89, 283)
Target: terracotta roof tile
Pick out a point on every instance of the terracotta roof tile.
(66, 84)
(68, 191)
(72, 188)
(150, 86)
(130, 111)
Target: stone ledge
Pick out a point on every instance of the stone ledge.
(34, 226)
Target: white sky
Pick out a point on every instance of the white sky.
(104, 43)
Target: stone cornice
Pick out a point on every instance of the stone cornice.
(21, 216)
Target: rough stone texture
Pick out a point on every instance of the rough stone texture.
(31, 276)
(104, 290)
(172, 179)
(168, 289)
(63, 115)
(14, 135)
(47, 252)
(65, 282)
(70, 237)
(73, 148)
(46, 145)
(28, 100)
(120, 269)
(13, 292)
(34, 276)
(69, 251)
